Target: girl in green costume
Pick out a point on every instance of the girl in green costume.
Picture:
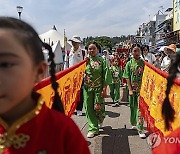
(115, 86)
(133, 74)
(97, 77)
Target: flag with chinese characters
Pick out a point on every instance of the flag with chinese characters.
(152, 95)
(70, 81)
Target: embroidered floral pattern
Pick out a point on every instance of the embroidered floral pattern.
(135, 86)
(94, 64)
(138, 71)
(116, 74)
(87, 78)
(100, 117)
(97, 107)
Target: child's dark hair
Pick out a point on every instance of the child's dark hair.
(145, 46)
(167, 110)
(33, 45)
(96, 44)
(135, 45)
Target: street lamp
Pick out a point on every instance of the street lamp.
(19, 10)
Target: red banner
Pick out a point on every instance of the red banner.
(152, 95)
(70, 81)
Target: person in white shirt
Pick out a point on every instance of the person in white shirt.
(166, 62)
(106, 56)
(158, 60)
(147, 56)
(74, 56)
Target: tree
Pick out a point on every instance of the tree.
(106, 42)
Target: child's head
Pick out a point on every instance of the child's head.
(105, 52)
(21, 63)
(136, 51)
(167, 110)
(93, 49)
(115, 54)
(115, 62)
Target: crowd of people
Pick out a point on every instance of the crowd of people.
(159, 59)
(114, 70)
(27, 125)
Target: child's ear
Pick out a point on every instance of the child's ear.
(41, 70)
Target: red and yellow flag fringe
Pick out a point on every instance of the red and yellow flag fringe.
(70, 81)
(152, 95)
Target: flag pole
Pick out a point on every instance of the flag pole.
(65, 51)
(65, 40)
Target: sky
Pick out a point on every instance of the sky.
(85, 17)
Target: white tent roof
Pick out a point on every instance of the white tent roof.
(52, 36)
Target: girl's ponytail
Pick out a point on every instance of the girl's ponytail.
(57, 104)
(167, 110)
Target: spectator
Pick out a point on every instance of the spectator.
(157, 62)
(74, 56)
(106, 56)
(166, 62)
(147, 56)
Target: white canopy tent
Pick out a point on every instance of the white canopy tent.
(53, 36)
(58, 55)
(56, 48)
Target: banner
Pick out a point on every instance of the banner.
(70, 81)
(152, 95)
(176, 15)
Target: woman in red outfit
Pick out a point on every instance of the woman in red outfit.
(166, 146)
(26, 124)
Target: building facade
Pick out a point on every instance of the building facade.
(159, 31)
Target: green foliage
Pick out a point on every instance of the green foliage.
(105, 41)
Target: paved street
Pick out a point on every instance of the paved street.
(116, 136)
